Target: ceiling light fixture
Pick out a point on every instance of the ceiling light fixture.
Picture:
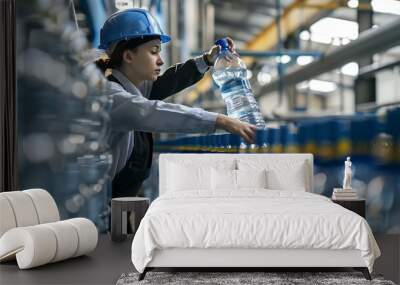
(335, 28)
(350, 69)
(322, 86)
(305, 35)
(380, 6)
(263, 78)
(352, 3)
(386, 6)
(304, 59)
(283, 59)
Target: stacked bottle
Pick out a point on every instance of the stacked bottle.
(274, 140)
(343, 142)
(364, 130)
(262, 141)
(393, 131)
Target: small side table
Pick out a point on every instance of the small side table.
(121, 209)
(356, 205)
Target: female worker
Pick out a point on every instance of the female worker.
(132, 40)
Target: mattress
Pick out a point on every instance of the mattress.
(251, 219)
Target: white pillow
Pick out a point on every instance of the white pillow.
(280, 174)
(251, 178)
(295, 180)
(183, 177)
(186, 175)
(223, 179)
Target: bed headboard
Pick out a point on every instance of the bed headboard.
(210, 159)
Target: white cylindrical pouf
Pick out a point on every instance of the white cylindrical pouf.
(23, 208)
(67, 239)
(34, 246)
(7, 218)
(87, 234)
(45, 205)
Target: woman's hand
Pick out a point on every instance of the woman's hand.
(213, 52)
(245, 130)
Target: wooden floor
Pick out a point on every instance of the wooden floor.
(102, 266)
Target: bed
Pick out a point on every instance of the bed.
(247, 210)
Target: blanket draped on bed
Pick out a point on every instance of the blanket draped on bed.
(253, 218)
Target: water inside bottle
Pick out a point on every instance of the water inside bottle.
(238, 96)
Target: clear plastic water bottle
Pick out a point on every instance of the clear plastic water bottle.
(230, 74)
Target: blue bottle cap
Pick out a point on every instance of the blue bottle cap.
(223, 43)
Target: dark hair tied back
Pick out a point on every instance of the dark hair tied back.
(115, 60)
(103, 64)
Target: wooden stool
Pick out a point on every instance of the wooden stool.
(121, 209)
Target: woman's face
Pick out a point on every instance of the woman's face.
(145, 61)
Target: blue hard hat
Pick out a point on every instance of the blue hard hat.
(129, 24)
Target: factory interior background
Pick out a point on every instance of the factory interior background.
(326, 75)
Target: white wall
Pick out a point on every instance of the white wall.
(388, 86)
(334, 101)
(269, 104)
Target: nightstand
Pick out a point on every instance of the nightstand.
(356, 205)
(123, 210)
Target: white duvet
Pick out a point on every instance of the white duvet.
(254, 218)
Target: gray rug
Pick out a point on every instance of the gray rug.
(243, 278)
